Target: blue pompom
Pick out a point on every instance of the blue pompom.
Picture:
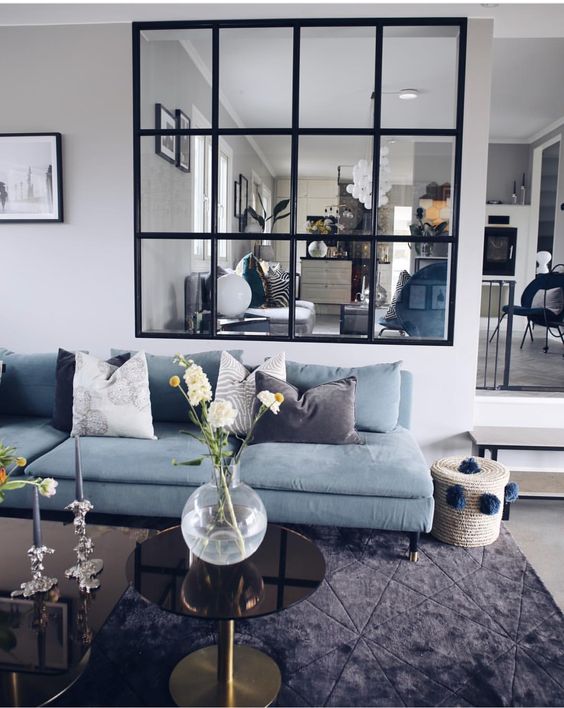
(455, 497)
(469, 465)
(511, 492)
(489, 504)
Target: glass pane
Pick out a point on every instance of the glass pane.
(334, 288)
(419, 77)
(176, 73)
(253, 288)
(255, 72)
(329, 167)
(175, 285)
(257, 198)
(337, 77)
(173, 199)
(416, 181)
(412, 290)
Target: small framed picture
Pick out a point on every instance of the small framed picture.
(417, 297)
(182, 142)
(438, 297)
(31, 179)
(243, 201)
(165, 145)
(236, 200)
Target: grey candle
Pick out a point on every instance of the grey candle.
(79, 490)
(37, 541)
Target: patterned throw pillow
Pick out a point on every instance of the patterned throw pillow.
(237, 385)
(110, 401)
(392, 314)
(278, 287)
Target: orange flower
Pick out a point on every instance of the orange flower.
(174, 381)
(3, 475)
(279, 397)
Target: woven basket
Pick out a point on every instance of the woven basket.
(468, 527)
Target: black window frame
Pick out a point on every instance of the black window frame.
(295, 132)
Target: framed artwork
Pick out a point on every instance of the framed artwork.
(182, 142)
(236, 199)
(31, 178)
(438, 297)
(165, 145)
(417, 297)
(243, 201)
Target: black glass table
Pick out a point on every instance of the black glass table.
(286, 568)
(45, 640)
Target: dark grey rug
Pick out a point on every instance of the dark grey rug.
(462, 627)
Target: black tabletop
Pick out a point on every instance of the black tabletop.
(45, 640)
(286, 568)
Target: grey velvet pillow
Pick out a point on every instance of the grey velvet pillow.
(323, 414)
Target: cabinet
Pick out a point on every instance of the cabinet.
(326, 281)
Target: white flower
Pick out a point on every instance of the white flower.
(268, 399)
(48, 487)
(197, 384)
(221, 414)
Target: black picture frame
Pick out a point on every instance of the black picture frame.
(165, 145)
(243, 201)
(38, 196)
(182, 141)
(236, 199)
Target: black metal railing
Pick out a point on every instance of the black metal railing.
(493, 376)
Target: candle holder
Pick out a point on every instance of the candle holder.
(86, 568)
(38, 582)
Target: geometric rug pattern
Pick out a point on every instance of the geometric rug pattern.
(461, 627)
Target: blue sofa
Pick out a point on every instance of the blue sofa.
(383, 484)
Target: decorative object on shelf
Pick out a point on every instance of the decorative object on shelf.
(31, 182)
(262, 220)
(514, 194)
(426, 229)
(523, 189)
(224, 520)
(233, 295)
(182, 141)
(165, 145)
(361, 187)
(543, 259)
(38, 582)
(468, 503)
(317, 249)
(86, 568)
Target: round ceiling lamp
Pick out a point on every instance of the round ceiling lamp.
(408, 94)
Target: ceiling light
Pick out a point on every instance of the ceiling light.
(408, 94)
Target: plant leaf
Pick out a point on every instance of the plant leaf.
(256, 216)
(280, 207)
(189, 463)
(282, 216)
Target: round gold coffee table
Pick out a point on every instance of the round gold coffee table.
(286, 569)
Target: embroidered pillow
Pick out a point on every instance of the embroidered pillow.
(392, 314)
(110, 401)
(278, 287)
(322, 415)
(237, 385)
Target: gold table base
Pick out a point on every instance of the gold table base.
(225, 675)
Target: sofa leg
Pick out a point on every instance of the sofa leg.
(413, 544)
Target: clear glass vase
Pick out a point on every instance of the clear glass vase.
(224, 520)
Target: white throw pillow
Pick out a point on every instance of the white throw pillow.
(237, 385)
(552, 299)
(112, 401)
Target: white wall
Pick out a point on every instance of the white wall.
(71, 284)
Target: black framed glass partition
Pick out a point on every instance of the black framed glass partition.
(298, 179)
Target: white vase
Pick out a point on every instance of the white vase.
(317, 249)
(233, 295)
(223, 525)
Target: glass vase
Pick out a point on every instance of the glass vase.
(224, 520)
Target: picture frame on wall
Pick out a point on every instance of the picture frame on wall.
(243, 201)
(165, 145)
(31, 177)
(236, 199)
(182, 141)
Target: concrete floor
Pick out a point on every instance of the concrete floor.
(538, 527)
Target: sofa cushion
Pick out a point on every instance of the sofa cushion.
(28, 384)
(378, 390)
(167, 404)
(130, 460)
(388, 465)
(32, 437)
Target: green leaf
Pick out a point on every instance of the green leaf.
(190, 463)
(256, 216)
(13, 484)
(280, 207)
(282, 216)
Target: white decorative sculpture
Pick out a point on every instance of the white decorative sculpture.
(543, 259)
(233, 295)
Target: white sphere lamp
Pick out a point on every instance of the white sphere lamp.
(233, 295)
(543, 259)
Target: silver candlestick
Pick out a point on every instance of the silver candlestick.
(38, 582)
(85, 568)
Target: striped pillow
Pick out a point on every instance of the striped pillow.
(278, 286)
(392, 314)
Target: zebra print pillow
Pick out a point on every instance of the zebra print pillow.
(278, 287)
(237, 385)
(392, 314)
